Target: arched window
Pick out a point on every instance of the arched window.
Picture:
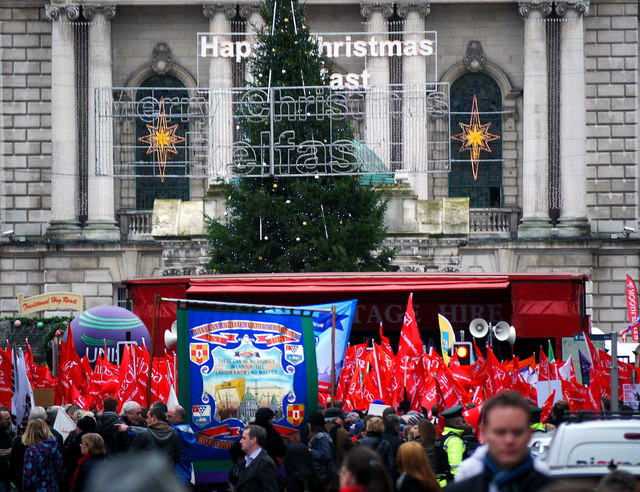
(486, 189)
(149, 181)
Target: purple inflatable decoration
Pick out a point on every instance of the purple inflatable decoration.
(112, 326)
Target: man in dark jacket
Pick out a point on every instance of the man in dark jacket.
(6, 441)
(508, 465)
(158, 435)
(390, 434)
(274, 444)
(374, 440)
(114, 442)
(259, 472)
(334, 422)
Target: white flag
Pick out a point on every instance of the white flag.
(22, 399)
(64, 424)
(173, 399)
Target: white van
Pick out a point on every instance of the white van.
(594, 448)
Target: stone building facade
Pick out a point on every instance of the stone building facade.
(566, 75)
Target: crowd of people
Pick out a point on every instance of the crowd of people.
(404, 451)
(395, 451)
(40, 460)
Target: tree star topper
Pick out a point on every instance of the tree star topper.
(162, 140)
(475, 137)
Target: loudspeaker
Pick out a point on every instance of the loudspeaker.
(512, 335)
(478, 328)
(171, 336)
(501, 331)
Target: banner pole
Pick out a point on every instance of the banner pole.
(333, 354)
(375, 360)
(156, 303)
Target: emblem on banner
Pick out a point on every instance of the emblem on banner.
(199, 353)
(201, 415)
(294, 354)
(295, 414)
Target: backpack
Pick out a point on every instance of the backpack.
(443, 469)
(471, 443)
(322, 450)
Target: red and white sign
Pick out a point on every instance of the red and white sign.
(632, 308)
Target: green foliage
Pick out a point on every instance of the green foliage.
(296, 224)
(51, 324)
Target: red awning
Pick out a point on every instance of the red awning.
(299, 283)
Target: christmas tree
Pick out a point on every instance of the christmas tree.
(296, 224)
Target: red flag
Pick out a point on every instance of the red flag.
(78, 399)
(160, 382)
(346, 373)
(387, 358)
(472, 416)
(632, 309)
(410, 346)
(574, 394)
(479, 368)
(40, 376)
(6, 370)
(498, 379)
(544, 371)
(593, 353)
(547, 406)
(450, 396)
(593, 393)
(128, 389)
(70, 371)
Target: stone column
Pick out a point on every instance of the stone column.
(573, 209)
(251, 14)
(378, 118)
(64, 223)
(414, 102)
(220, 98)
(535, 221)
(101, 223)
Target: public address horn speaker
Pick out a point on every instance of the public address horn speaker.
(171, 336)
(478, 328)
(501, 331)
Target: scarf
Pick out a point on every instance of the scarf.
(353, 488)
(503, 479)
(77, 472)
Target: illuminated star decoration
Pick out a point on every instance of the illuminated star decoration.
(162, 140)
(475, 137)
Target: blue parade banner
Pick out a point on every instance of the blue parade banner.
(231, 364)
(322, 321)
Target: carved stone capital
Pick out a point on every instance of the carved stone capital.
(368, 9)
(424, 9)
(53, 12)
(474, 59)
(68, 11)
(247, 9)
(90, 11)
(580, 6)
(211, 9)
(72, 11)
(526, 8)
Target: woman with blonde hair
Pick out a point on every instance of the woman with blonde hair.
(93, 452)
(42, 460)
(415, 471)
